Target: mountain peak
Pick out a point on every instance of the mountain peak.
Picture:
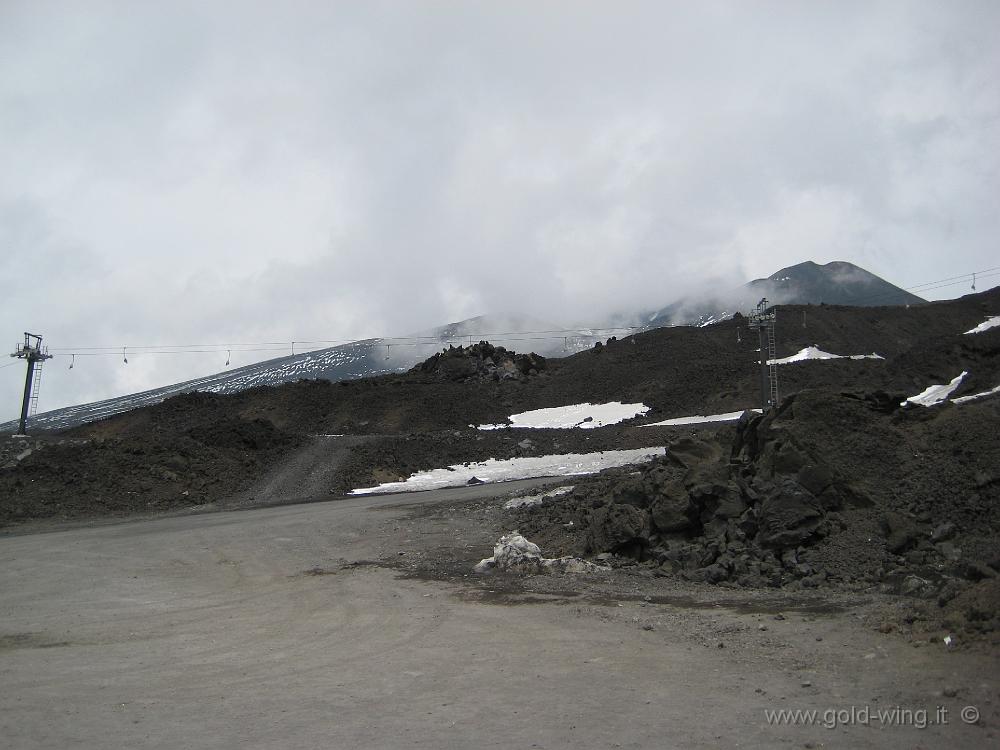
(835, 283)
(808, 283)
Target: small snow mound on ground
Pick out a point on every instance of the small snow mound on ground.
(530, 501)
(528, 467)
(515, 554)
(935, 394)
(813, 352)
(975, 396)
(587, 416)
(701, 418)
(985, 325)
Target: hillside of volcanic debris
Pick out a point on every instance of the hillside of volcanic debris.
(198, 448)
(848, 489)
(674, 371)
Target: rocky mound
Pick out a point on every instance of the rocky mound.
(839, 488)
(481, 361)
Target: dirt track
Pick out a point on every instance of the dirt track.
(273, 628)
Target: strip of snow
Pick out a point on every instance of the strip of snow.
(813, 352)
(731, 416)
(934, 394)
(585, 416)
(492, 470)
(530, 501)
(985, 326)
(974, 396)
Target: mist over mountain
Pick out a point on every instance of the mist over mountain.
(838, 283)
(835, 283)
(808, 283)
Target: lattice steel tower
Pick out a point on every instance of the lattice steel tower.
(762, 320)
(32, 351)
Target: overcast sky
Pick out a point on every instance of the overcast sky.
(240, 172)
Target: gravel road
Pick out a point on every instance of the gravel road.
(274, 628)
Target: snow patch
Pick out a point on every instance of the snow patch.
(530, 501)
(934, 394)
(814, 352)
(986, 325)
(492, 470)
(515, 554)
(586, 416)
(731, 416)
(974, 396)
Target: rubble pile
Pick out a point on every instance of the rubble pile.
(843, 489)
(481, 361)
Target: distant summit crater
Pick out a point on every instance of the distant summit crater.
(807, 283)
(835, 283)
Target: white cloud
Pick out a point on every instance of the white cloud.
(254, 171)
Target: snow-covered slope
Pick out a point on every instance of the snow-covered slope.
(357, 359)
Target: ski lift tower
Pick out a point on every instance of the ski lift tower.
(762, 320)
(32, 351)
